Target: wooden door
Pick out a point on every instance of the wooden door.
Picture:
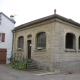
(3, 56)
(29, 49)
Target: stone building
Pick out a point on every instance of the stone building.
(53, 42)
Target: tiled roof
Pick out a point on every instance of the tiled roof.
(45, 19)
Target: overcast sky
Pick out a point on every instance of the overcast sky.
(28, 10)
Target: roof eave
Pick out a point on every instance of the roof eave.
(45, 19)
(8, 18)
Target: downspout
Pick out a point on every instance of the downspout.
(12, 41)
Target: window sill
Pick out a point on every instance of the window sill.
(70, 50)
(40, 50)
(20, 49)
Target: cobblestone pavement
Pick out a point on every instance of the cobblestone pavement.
(7, 73)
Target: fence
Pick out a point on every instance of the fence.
(17, 57)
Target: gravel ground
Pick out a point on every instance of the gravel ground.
(7, 73)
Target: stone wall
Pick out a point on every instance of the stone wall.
(41, 57)
(55, 55)
(66, 59)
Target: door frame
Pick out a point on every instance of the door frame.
(29, 42)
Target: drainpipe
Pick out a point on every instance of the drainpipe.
(12, 41)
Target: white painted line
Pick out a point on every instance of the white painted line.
(42, 74)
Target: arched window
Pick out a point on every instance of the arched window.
(21, 42)
(41, 40)
(79, 42)
(70, 41)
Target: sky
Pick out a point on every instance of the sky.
(29, 10)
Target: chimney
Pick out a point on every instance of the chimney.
(12, 17)
(54, 11)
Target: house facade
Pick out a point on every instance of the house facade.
(6, 36)
(53, 42)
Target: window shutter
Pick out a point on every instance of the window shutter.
(3, 37)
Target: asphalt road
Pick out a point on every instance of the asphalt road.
(7, 73)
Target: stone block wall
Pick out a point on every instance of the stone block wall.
(55, 55)
(66, 59)
(43, 57)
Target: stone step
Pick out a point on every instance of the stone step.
(31, 65)
(32, 68)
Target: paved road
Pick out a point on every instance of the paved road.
(7, 73)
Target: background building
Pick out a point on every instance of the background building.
(6, 36)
